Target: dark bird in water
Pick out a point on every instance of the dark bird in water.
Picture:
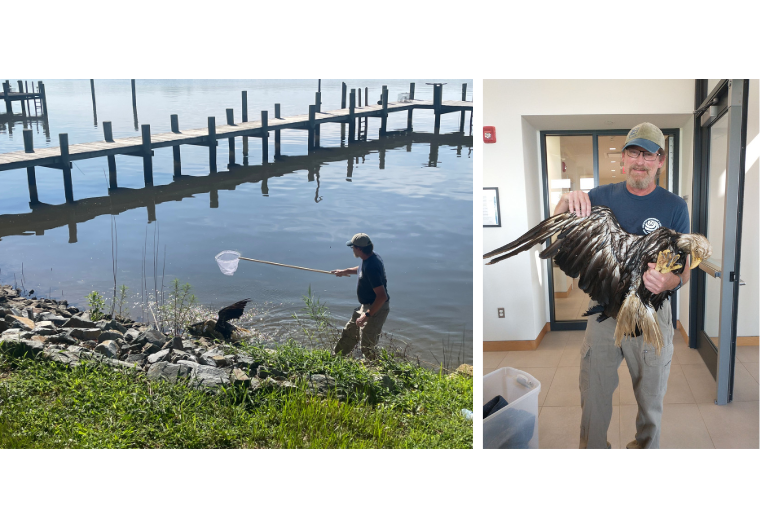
(609, 264)
(234, 311)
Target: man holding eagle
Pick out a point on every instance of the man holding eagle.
(629, 247)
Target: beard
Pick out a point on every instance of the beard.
(640, 183)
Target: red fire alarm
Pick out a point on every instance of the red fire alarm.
(489, 134)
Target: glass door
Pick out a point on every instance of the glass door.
(582, 160)
(719, 141)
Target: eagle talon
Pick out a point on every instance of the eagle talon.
(666, 261)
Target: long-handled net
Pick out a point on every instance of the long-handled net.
(228, 263)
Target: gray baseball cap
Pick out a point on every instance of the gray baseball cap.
(647, 136)
(360, 239)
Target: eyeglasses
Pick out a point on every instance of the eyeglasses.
(648, 156)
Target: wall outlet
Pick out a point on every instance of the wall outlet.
(501, 313)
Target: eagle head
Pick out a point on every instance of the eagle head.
(697, 245)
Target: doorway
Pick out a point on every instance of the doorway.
(582, 160)
(720, 134)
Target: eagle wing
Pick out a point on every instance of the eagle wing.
(234, 311)
(593, 249)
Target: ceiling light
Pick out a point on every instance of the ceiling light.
(612, 148)
(612, 170)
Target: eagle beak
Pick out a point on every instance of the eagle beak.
(695, 262)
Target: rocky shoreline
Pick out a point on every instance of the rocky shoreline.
(52, 330)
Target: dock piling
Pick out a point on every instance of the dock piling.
(343, 96)
(317, 109)
(352, 116)
(94, 107)
(245, 120)
(68, 188)
(6, 91)
(134, 103)
(437, 101)
(245, 106)
(31, 177)
(277, 133)
(175, 149)
(264, 137)
(108, 135)
(21, 90)
(108, 131)
(310, 142)
(147, 156)
(41, 86)
(464, 97)
(231, 121)
(384, 117)
(411, 111)
(212, 143)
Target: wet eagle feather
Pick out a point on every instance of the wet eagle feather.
(609, 264)
(234, 311)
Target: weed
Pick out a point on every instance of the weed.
(97, 304)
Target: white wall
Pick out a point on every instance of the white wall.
(520, 109)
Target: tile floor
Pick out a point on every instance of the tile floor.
(690, 418)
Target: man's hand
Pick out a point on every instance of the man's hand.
(576, 202)
(341, 272)
(362, 321)
(657, 282)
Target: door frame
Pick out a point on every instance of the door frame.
(574, 325)
(731, 98)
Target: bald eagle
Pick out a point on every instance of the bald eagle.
(234, 311)
(610, 264)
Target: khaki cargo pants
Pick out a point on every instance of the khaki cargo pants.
(367, 335)
(600, 359)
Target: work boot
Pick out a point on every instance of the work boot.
(633, 444)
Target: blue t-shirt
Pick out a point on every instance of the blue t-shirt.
(643, 214)
(371, 274)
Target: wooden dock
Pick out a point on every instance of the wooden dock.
(351, 113)
(25, 97)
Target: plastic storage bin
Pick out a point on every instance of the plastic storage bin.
(516, 425)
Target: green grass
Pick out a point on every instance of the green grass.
(47, 405)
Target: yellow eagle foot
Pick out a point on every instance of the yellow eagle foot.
(666, 261)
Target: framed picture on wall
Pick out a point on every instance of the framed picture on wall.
(491, 214)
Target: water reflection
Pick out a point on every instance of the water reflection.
(45, 217)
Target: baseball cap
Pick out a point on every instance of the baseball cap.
(360, 239)
(647, 136)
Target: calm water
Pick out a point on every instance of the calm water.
(412, 196)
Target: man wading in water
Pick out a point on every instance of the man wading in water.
(372, 290)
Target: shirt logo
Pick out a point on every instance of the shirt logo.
(651, 224)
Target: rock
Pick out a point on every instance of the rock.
(265, 371)
(4, 325)
(79, 323)
(18, 347)
(110, 325)
(240, 378)
(62, 338)
(108, 348)
(207, 376)
(138, 359)
(150, 348)
(61, 356)
(168, 371)
(178, 355)
(57, 320)
(110, 335)
(26, 323)
(321, 384)
(152, 336)
(161, 355)
(45, 327)
(131, 334)
(85, 334)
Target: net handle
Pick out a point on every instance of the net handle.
(285, 265)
